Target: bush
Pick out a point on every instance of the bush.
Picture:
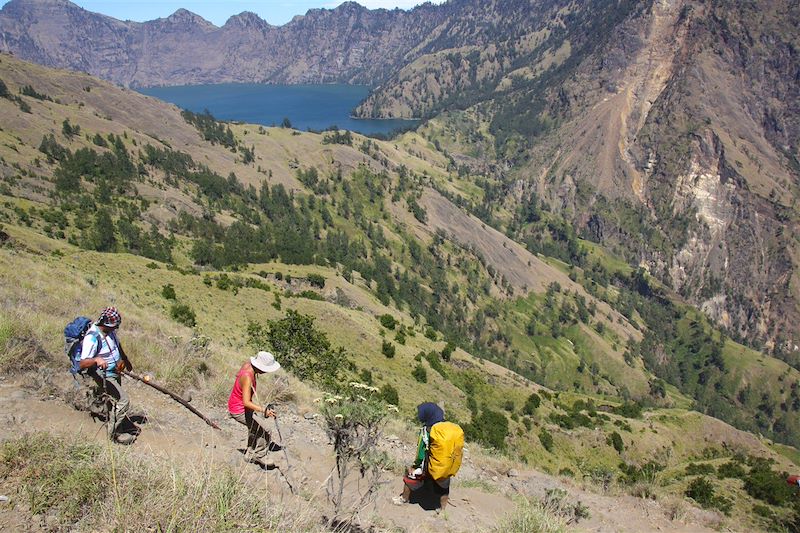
(430, 333)
(730, 469)
(646, 473)
(387, 321)
(420, 374)
(168, 292)
(447, 351)
(436, 364)
(531, 404)
(316, 280)
(183, 314)
(546, 439)
(766, 485)
(702, 469)
(304, 350)
(389, 395)
(702, 491)
(616, 441)
(353, 423)
(489, 427)
(388, 349)
(629, 409)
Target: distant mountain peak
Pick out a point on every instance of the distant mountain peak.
(184, 16)
(247, 19)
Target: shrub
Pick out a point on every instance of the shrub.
(387, 321)
(389, 395)
(616, 441)
(531, 404)
(546, 439)
(354, 422)
(702, 491)
(365, 376)
(388, 349)
(766, 485)
(183, 314)
(629, 409)
(447, 351)
(305, 350)
(311, 295)
(532, 515)
(430, 333)
(400, 338)
(436, 364)
(730, 469)
(646, 473)
(419, 373)
(489, 427)
(316, 280)
(168, 292)
(702, 469)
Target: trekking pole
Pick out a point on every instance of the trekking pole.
(283, 447)
(278, 429)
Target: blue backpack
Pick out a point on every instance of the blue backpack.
(74, 333)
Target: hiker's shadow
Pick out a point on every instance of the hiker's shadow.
(425, 497)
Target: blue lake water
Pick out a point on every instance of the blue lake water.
(314, 107)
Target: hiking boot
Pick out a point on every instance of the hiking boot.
(399, 500)
(124, 438)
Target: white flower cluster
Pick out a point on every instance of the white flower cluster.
(357, 385)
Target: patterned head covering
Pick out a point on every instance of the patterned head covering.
(110, 318)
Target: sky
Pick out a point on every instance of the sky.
(275, 12)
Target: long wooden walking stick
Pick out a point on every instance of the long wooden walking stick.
(163, 390)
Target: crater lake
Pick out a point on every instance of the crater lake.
(315, 107)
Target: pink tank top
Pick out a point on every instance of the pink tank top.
(236, 402)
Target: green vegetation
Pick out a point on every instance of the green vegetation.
(305, 350)
(183, 314)
(210, 128)
(702, 491)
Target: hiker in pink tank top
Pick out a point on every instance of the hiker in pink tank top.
(242, 408)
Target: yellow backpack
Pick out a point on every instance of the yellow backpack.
(446, 449)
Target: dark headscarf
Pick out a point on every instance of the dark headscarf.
(429, 414)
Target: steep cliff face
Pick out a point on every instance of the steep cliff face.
(723, 141)
(678, 140)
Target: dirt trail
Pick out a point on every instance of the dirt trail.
(480, 497)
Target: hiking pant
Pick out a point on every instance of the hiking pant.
(118, 400)
(258, 437)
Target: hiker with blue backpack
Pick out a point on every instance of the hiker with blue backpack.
(95, 350)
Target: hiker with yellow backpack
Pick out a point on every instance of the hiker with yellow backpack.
(439, 450)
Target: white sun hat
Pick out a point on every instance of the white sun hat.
(265, 362)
